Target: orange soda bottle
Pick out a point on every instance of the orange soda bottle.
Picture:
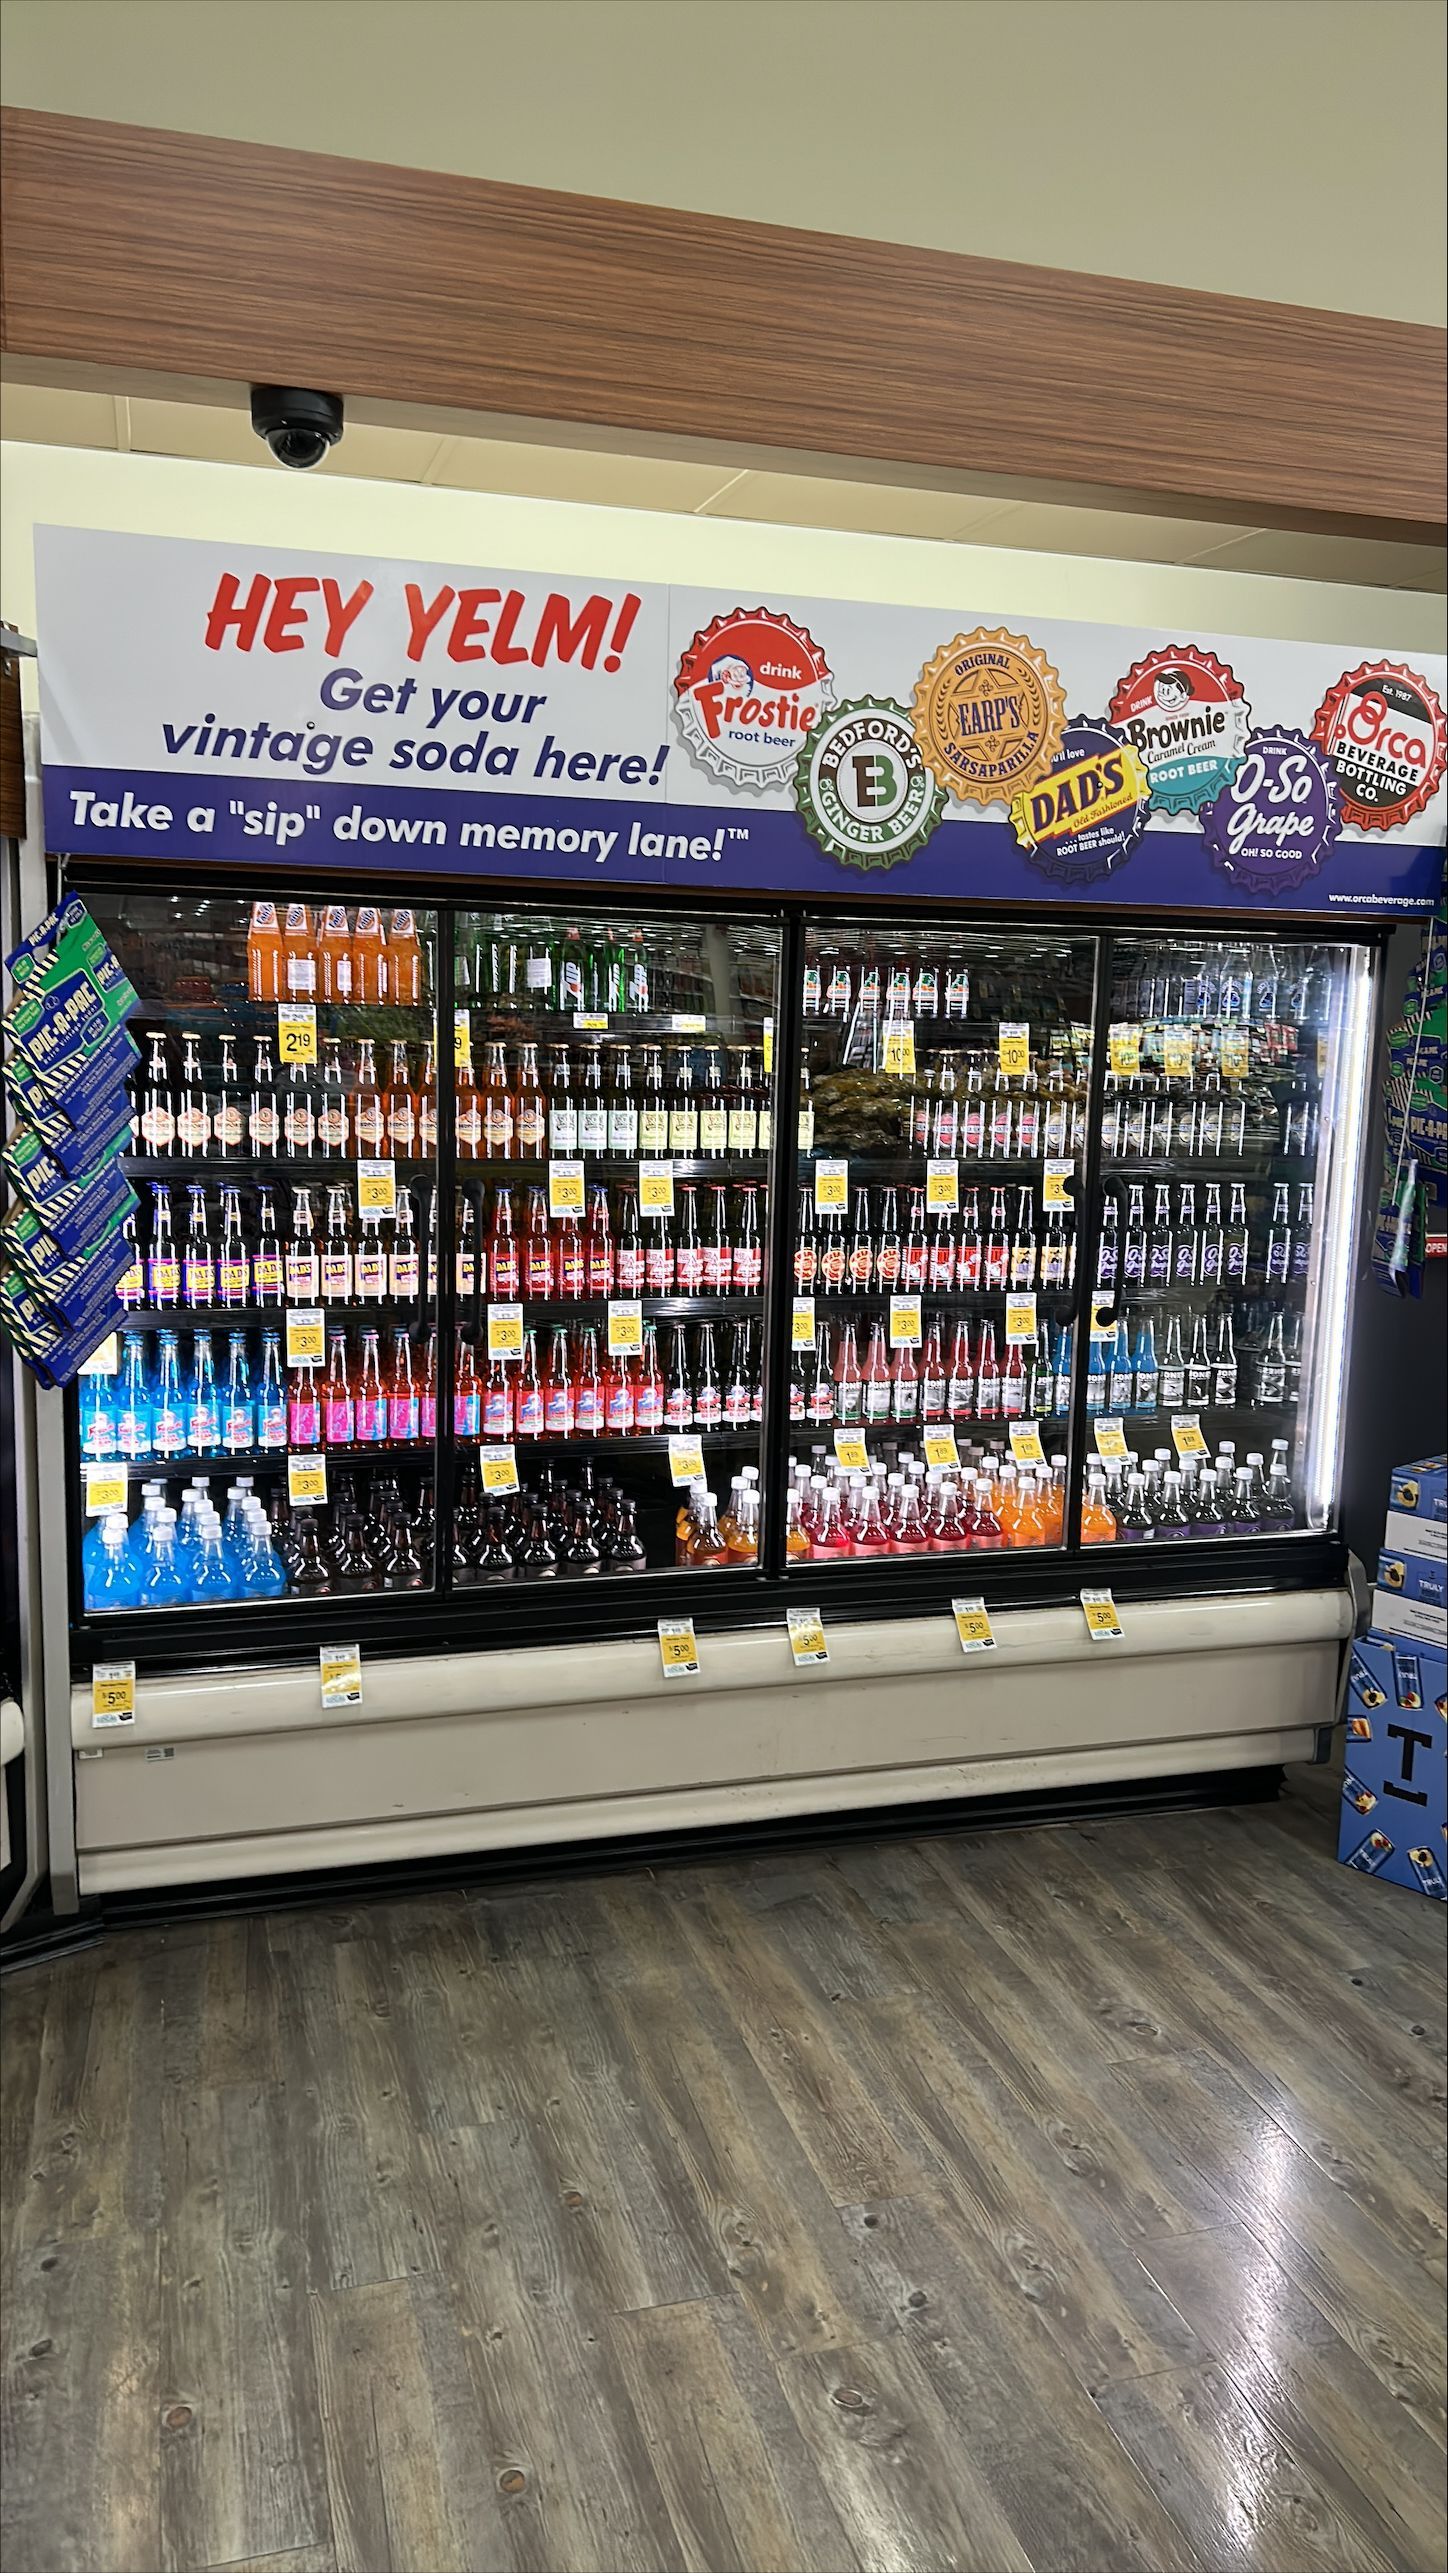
(334, 955)
(369, 958)
(404, 962)
(264, 973)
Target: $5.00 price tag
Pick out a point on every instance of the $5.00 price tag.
(940, 1447)
(678, 1649)
(505, 1331)
(802, 1322)
(686, 1461)
(297, 1031)
(1178, 1054)
(1026, 1445)
(1099, 1610)
(377, 1187)
(904, 1321)
(806, 1634)
(942, 1184)
(625, 1327)
(899, 1051)
(1020, 1318)
(341, 1670)
(1124, 1049)
(1056, 1181)
(1186, 1434)
(105, 1489)
(656, 1186)
(565, 1188)
(972, 1625)
(1110, 1438)
(831, 1185)
(851, 1451)
(306, 1480)
(305, 1337)
(499, 1468)
(1013, 1048)
(113, 1694)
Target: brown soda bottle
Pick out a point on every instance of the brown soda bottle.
(334, 1123)
(369, 1110)
(401, 1108)
(427, 1104)
(914, 1252)
(337, 1250)
(467, 1107)
(530, 1122)
(504, 1264)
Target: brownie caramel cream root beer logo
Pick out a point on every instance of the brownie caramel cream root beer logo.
(1185, 712)
(746, 692)
(988, 715)
(862, 790)
(1382, 728)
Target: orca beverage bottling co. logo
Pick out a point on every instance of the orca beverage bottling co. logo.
(862, 790)
(1184, 711)
(1382, 728)
(747, 690)
(1085, 816)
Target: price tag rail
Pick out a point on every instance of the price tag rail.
(251, 1460)
(249, 1170)
(268, 1317)
(906, 1164)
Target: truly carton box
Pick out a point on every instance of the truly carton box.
(1395, 1789)
(1409, 1576)
(1420, 1490)
(1408, 1534)
(1415, 1621)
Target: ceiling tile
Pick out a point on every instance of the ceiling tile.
(1359, 559)
(863, 508)
(224, 436)
(1043, 527)
(46, 418)
(562, 473)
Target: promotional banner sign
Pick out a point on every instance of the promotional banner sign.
(236, 702)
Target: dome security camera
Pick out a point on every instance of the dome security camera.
(298, 426)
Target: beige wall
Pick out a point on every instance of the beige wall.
(1290, 149)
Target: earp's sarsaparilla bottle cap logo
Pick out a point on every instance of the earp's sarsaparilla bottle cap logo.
(861, 788)
(988, 714)
(1275, 825)
(1082, 820)
(747, 690)
(1382, 728)
(1185, 712)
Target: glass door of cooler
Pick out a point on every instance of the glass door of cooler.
(1231, 1136)
(944, 1090)
(263, 1425)
(615, 1110)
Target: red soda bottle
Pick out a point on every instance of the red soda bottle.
(618, 1397)
(748, 1251)
(628, 1257)
(905, 1386)
(598, 1245)
(528, 1392)
(960, 1383)
(849, 1385)
(537, 1263)
(504, 1267)
(498, 1403)
(1013, 1384)
(648, 1388)
(558, 1408)
(688, 1249)
(967, 1255)
(987, 1375)
(587, 1388)
(570, 1268)
(876, 1376)
(934, 1383)
(658, 1254)
(718, 1251)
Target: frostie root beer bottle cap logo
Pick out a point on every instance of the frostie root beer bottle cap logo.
(861, 788)
(988, 715)
(1382, 728)
(746, 691)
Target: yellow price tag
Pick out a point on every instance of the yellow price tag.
(462, 1040)
(305, 1337)
(900, 1051)
(904, 1321)
(942, 1184)
(802, 1323)
(1186, 1434)
(105, 1361)
(851, 1451)
(105, 1489)
(686, 1461)
(806, 1634)
(1103, 1320)
(625, 1328)
(297, 1031)
(340, 1666)
(1026, 1445)
(767, 1046)
(1099, 1610)
(565, 1188)
(831, 1185)
(1123, 1047)
(688, 1023)
(1110, 1438)
(678, 1649)
(1322, 1058)
(1178, 1053)
(306, 1479)
(594, 1019)
(1020, 1319)
(505, 1331)
(1056, 1181)
(656, 1186)
(1013, 1048)
(940, 1447)
(1234, 1053)
(972, 1625)
(377, 1187)
(113, 1694)
(499, 1469)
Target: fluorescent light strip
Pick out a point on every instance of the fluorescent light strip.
(1337, 1229)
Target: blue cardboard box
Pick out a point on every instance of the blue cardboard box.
(1421, 1489)
(1395, 1790)
(1413, 1576)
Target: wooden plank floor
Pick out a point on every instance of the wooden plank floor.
(1067, 2201)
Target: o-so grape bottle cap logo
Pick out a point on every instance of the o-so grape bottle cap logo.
(1276, 823)
(1382, 728)
(861, 788)
(988, 715)
(1184, 711)
(1085, 816)
(746, 692)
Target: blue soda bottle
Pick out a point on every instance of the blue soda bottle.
(168, 1418)
(138, 1543)
(1120, 1380)
(203, 1404)
(238, 1411)
(271, 1395)
(97, 1416)
(133, 1400)
(161, 1583)
(210, 1582)
(111, 1582)
(1144, 1375)
(1097, 1380)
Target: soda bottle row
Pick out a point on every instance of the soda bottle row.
(1145, 1117)
(1216, 984)
(1184, 1245)
(709, 1248)
(198, 1553)
(1131, 1501)
(986, 1506)
(928, 987)
(522, 968)
(235, 1259)
(372, 959)
(1127, 1370)
(182, 1396)
(576, 1387)
(364, 1101)
(979, 1113)
(955, 1375)
(566, 1103)
(551, 1526)
(870, 1250)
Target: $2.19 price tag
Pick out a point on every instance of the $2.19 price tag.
(972, 1625)
(831, 1185)
(678, 1648)
(341, 1674)
(1020, 1319)
(851, 1451)
(904, 1321)
(1056, 1181)
(1099, 1610)
(802, 1322)
(625, 1327)
(1013, 1048)
(499, 1467)
(297, 1031)
(1186, 1434)
(105, 1489)
(462, 1040)
(505, 1331)
(305, 1337)
(686, 1461)
(565, 1188)
(942, 1185)
(806, 1634)
(113, 1694)
(656, 1187)
(1026, 1445)
(1110, 1437)
(306, 1480)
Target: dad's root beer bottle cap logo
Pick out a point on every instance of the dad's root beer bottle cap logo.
(861, 788)
(746, 692)
(1184, 711)
(1086, 815)
(1382, 728)
(1276, 824)
(988, 714)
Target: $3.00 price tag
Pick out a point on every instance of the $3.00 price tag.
(972, 1625)
(305, 1337)
(1013, 1048)
(899, 1051)
(1234, 1053)
(565, 1188)
(499, 1468)
(802, 1322)
(625, 1327)
(1186, 1434)
(1026, 1445)
(105, 1489)
(113, 1694)
(806, 1634)
(678, 1648)
(940, 1447)
(306, 1480)
(1020, 1318)
(377, 1187)
(1124, 1049)
(767, 1046)
(656, 1187)
(851, 1451)
(1110, 1437)
(831, 1185)
(505, 1331)
(942, 1185)
(1099, 1610)
(686, 1461)
(341, 1671)
(297, 1031)
(904, 1321)
(1056, 1181)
